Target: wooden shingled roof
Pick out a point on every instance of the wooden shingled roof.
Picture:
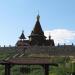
(31, 61)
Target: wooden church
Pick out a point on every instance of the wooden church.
(37, 37)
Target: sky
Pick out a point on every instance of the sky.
(57, 18)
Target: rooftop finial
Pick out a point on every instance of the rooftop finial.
(38, 16)
(49, 36)
(22, 35)
(22, 31)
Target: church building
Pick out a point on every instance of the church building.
(37, 37)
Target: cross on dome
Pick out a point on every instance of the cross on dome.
(38, 17)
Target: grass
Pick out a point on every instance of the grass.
(65, 65)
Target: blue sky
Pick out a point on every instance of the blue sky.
(18, 15)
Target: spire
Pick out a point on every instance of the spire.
(37, 28)
(22, 35)
(49, 36)
(38, 17)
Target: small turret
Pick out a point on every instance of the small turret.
(49, 36)
(22, 42)
(22, 37)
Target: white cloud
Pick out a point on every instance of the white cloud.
(61, 36)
